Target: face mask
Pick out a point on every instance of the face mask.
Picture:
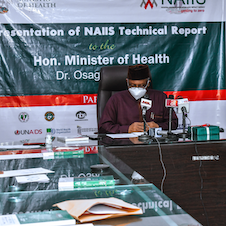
(137, 92)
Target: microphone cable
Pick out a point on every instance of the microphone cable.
(161, 160)
(162, 163)
(201, 181)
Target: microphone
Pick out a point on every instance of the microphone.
(171, 102)
(145, 104)
(183, 106)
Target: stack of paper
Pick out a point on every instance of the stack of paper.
(73, 140)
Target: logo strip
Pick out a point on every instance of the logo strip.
(89, 99)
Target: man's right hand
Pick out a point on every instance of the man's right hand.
(136, 127)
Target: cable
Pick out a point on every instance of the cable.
(186, 116)
(161, 159)
(189, 119)
(201, 180)
(162, 163)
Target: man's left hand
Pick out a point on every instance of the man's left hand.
(152, 125)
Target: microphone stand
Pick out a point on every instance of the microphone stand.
(145, 136)
(184, 112)
(170, 121)
(184, 135)
(171, 135)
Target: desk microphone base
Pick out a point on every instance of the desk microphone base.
(184, 135)
(144, 137)
(172, 136)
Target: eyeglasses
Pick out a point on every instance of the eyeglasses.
(130, 85)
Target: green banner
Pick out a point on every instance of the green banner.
(39, 59)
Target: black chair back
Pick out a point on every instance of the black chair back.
(112, 80)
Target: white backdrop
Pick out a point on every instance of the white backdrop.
(66, 118)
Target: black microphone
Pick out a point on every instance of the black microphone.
(184, 111)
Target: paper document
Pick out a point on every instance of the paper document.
(22, 172)
(41, 178)
(21, 146)
(21, 156)
(88, 210)
(103, 209)
(125, 135)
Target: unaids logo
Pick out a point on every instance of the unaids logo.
(28, 132)
(4, 6)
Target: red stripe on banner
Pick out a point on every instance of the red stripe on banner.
(199, 95)
(89, 99)
(48, 100)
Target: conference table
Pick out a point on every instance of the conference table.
(173, 182)
(191, 173)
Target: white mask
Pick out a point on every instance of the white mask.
(137, 92)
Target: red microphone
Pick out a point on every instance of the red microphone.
(171, 102)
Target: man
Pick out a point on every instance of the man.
(123, 114)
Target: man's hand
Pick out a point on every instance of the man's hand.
(139, 126)
(152, 125)
(136, 127)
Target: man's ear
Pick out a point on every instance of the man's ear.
(127, 81)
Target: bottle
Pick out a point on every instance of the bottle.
(48, 139)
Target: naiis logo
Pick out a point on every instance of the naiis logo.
(147, 3)
(23, 117)
(171, 5)
(28, 132)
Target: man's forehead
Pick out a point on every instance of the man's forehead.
(138, 81)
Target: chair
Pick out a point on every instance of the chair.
(112, 80)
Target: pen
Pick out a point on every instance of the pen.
(41, 144)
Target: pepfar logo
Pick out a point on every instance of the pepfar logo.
(28, 132)
(80, 115)
(147, 3)
(23, 117)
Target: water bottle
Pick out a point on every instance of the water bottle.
(48, 139)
